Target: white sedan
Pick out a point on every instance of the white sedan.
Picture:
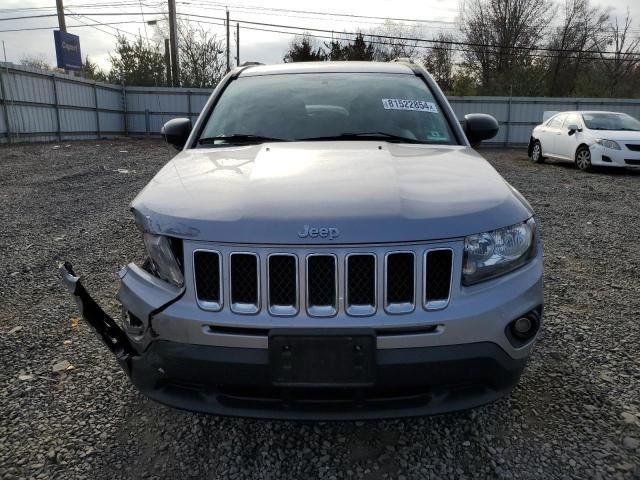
(588, 138)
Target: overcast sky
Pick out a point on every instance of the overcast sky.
(255, 45)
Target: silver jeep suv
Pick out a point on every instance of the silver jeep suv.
(327, 245)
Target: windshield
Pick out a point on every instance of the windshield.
(610, 121)
(340, 106)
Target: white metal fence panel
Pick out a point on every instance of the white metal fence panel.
(41, 106)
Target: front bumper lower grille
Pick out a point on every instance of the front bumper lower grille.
(316, 283)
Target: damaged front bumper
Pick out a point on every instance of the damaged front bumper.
(226, 380)
(107, 330)
(144, 296)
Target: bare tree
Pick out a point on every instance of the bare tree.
(582, 28)
(202, 62)
(35, 61)
(625, 59)
(500, 35)
(395, 40)
(439, 60)
(201, 53)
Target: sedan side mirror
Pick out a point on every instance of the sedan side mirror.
(573, 128)
(176, 131)
(479, 127)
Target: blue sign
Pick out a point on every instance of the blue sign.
(68, 50)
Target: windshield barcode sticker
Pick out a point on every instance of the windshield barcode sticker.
(413, 105)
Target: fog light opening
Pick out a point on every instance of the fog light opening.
(521, 330)
(131, 323)
(522, 327)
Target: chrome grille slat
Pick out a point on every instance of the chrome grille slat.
(282, 284)
(207, 271)
(437, 278)
(400, 282)
(322, 285)
(313, 282)
(360, 284)
(244, 278)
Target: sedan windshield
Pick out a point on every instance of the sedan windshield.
(610, 121)
(326, 106)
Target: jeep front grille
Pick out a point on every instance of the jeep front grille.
(354, 281)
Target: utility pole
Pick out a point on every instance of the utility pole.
(173, 38)
(167, 61)
(228, 45)
(238, 44)
(61, 23)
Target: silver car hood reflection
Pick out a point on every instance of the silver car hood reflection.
(369, 192)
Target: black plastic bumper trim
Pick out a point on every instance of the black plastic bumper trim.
(409, 382)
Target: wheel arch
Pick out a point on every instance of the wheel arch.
(578, 147)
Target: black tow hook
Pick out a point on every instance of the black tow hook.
(105, 327)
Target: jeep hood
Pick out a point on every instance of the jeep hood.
(372, 192)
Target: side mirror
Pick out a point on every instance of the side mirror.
(479, 127)
(176, 131)
(573, 128)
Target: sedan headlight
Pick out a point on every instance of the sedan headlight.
(490, 254)
(164, 262)
(608, 143)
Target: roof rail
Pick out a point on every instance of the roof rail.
(251, 64)
(403, 59)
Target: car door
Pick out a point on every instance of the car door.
(552, 131)
(566, 144)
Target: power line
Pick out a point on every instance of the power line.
(69, 26)
(413, 39)
(335, 14)
(264, 10)
(145, 23)
(97, 28)
(95, 14)
(83, 5)
(374, 42)
(76, 17)
(281, 13)
(504, 50)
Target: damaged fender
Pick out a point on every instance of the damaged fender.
(143, 295)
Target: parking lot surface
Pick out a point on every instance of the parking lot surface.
(576, 413)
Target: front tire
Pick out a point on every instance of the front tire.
(583, 159)
(536, 153)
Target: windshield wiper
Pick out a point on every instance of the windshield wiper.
(387, 137)
(238, 138)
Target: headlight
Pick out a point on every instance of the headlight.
(608, 144)
(490, 254)
(165, 264)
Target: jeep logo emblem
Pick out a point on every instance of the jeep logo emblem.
(322, 232)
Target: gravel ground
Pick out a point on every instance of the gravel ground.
(576, 413)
